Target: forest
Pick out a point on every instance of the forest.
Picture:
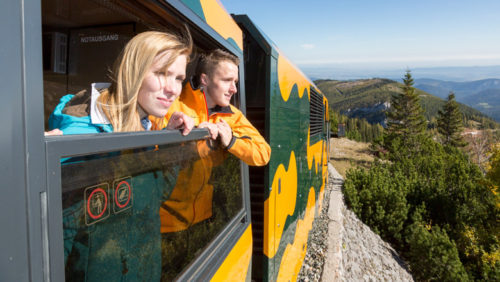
(426, 193)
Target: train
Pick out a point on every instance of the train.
(259, 217)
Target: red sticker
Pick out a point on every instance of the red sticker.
(122, 194)
(97, 203)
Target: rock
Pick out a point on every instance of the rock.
(342, 248)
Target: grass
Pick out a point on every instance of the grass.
(346, 154)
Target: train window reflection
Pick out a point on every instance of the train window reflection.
(191, 220)
(111, 210)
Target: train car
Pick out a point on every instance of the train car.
(286, 194)
(260, 217)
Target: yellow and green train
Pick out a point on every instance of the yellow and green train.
(259, 218)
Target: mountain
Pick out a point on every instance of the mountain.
(370, 98)
(486, 101)
(483, 95)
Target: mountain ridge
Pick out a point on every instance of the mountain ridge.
(363, 99)
(482, 95)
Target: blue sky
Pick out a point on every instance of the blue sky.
(379, 34)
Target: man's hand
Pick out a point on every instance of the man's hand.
(180, 120)
(225, 132)
(213, 129)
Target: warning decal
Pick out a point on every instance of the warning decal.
(122, 194)
(96, 203)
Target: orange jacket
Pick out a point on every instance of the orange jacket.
(191, 199)
(247, 144)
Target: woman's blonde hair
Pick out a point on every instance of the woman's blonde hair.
(119, 102)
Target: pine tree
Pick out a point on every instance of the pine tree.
(450, 123)
(406, 119)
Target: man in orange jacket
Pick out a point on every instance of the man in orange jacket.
(218, 79)
(209, 106)
(191, 200)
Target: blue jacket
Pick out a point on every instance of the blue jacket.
(72, 115)
(111, 230)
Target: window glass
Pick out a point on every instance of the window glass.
(112, 218)
(217, 201)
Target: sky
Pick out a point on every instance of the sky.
(384, 34)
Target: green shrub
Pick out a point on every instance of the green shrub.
(445, 193)
(432, 255)
(378, 197)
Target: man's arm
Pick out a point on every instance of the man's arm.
(246, 143)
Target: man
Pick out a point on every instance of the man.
(192, 198)
(218, 79)
(210, 107)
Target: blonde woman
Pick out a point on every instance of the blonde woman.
(147, 79)
(123, 245)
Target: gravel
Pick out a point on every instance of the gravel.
(317, 245)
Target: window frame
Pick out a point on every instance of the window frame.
(34, 241)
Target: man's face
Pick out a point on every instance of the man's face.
(220, 86)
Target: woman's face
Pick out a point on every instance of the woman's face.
(161, 86)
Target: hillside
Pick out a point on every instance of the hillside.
(483, 95)
(487, 101)
(369, 99)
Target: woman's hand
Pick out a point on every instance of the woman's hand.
(180, 120)
(53, 132)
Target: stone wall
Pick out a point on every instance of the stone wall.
(342, 248)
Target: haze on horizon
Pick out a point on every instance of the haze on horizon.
(379, 36)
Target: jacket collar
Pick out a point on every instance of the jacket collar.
(220, 110)
(96, 115)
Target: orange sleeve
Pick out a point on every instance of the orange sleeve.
(249, 145)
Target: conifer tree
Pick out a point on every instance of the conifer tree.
(405, 118)
(450, 123)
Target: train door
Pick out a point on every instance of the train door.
(258, 86)
(80, 206)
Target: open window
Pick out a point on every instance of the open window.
(110, 186)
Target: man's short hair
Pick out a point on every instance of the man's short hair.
(209, 61)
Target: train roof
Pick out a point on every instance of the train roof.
(271, 49)
(213, 13)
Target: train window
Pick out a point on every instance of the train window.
(111, 204)
(316, 113)
(255, 73)
(110, 211)
(82, 39)
(140, 214)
